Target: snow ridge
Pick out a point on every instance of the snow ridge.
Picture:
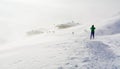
(101, 57)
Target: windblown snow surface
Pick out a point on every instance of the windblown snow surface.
(63, 49)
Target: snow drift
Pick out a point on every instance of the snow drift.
(111, 28)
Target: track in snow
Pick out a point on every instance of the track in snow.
(100, 56)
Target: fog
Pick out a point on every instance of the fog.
(17, 16)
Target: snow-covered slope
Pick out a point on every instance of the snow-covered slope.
(53, 48)
(64, 49)
(112, 26)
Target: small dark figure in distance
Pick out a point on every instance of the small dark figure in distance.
(73, 33)
(92, 32)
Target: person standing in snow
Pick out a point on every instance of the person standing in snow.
(92, 32)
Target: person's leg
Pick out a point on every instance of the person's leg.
(91, 35)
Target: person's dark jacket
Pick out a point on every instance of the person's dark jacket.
(92, 29)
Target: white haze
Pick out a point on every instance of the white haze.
(18, 16)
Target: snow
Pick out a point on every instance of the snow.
(101, 56)
(26, 43)
(64, 51)
(111, 26)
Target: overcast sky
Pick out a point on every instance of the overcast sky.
(18, 15)
(56, 11)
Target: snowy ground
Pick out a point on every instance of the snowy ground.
(38, 34)
(62, 50)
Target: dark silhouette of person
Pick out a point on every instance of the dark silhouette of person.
(92, 32)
